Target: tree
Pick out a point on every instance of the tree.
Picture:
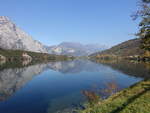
(144, 32)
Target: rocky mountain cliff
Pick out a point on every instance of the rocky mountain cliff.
(75, 49)
(12, 37)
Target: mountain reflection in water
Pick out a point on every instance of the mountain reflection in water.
(13, 79)
(54, 86)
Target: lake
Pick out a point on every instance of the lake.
(55, 87)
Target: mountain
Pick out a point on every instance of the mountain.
(75, 49)
(12, 37)
(127, 48)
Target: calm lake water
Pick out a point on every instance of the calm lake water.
(56, 86)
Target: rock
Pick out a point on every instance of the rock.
(25, 56)
(12, 37)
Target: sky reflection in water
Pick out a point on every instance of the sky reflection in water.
(56, 86)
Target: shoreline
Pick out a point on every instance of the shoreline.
(130, 100)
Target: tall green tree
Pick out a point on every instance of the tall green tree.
(144, 32)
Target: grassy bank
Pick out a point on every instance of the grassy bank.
(135, 99)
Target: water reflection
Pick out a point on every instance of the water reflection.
(26, 62)
(2, 62)
(13, 79)
(54, 86)
(75, 66)
(132, 68)
(136, 69)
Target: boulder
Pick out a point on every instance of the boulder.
(25, 56)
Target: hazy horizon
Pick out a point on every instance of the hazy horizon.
(87, 21)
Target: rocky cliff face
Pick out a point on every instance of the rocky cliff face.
(12, 37)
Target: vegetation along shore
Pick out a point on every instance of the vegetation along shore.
(20, 55)
(134, 99)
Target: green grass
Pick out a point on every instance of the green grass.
(135, 99)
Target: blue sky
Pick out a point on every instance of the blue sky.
(87, 21)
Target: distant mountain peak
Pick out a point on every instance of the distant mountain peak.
(75, 49)
(70, 42)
